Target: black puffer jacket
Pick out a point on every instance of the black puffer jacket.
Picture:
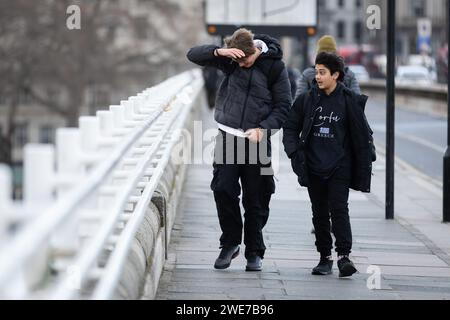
(245, 98)
(297, 129)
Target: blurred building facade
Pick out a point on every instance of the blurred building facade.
(343, 19)
(408, 12)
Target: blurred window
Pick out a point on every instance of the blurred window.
(418, 8)
(47, 134)
(358, 31)
(20, 135)
(341, 29)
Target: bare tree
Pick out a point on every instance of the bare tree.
(15, 59)
(38, 52)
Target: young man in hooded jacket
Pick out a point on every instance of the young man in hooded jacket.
(253, 99)
(307, 80)
(327, 138)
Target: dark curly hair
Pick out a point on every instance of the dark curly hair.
(332, 62)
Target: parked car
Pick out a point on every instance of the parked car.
(360, 72)
(424, 61)
(413, 75)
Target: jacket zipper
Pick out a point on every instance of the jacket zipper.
(246, 98)
(310, 124)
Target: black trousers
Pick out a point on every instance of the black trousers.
(329, 198)
(236, 160)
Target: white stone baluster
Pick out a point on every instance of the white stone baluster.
(89, 140)
(39, 187)
(39, 174)
(5, 201)
(70, 172)
(16, 288)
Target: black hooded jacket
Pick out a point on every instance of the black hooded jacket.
(297, 130)
(246, 99)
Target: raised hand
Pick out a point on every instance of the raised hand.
(232, 53)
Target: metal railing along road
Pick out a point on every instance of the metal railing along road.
(85, 197)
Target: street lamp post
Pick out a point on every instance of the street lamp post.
(446, 189)
(390, 111)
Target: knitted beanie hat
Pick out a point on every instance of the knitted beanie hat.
(326, 44)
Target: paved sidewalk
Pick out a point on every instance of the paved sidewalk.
(412, 252)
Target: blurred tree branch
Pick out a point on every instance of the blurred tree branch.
(116, 42)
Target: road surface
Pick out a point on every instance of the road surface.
(420, 139)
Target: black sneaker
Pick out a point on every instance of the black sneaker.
(324, 267)
(254, 263)
(225, 257)
(346, 267)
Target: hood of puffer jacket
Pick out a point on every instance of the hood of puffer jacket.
(275, 51)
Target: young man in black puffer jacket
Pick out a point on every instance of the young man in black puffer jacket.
(253, 99)
(328, 141)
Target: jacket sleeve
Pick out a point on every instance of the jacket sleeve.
(204, 56)
(302, 85)
(281, 102)
(293, 126)
(359, 120)
(353, 85)
(360, 138)
(305, 81)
